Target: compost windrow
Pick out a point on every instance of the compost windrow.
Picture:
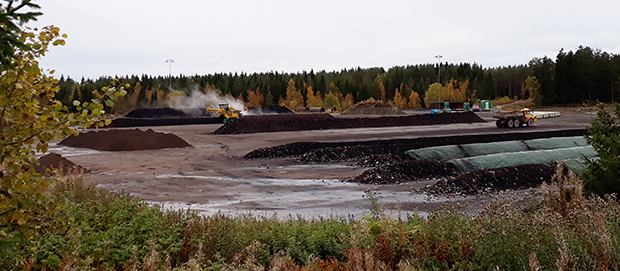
(124, 140)
(356, 151)
(304, 122)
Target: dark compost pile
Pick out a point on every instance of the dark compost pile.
(124, 140)
(375, 108)
(166, 116)
(304, 122)
(53, 161)
(493, 180)
(392, 166)
(402, 172)
(332, 152)
(170, 116)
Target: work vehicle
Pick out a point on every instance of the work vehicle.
(515, 118)
(229, 113)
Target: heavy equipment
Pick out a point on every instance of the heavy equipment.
(229, 113)
(515, 118)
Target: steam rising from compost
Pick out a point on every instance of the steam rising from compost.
(199, 99)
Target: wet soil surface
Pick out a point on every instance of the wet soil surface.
(304, 122)
(213, 176)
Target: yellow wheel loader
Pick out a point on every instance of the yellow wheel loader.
(229, 113)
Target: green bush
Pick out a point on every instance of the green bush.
(602, 176)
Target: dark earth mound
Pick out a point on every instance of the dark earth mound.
(276, 123)
(170, 116)
(52, 161)
(268, 110)
(166, 116)
(407, 171)
(393, 166)
(154, 113)
(328, 152)
(140, 122)
(303, 122)
(493, 180)
(124, 140)
(376, 108)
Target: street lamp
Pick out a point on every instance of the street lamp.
(438, 57)
(170, 61)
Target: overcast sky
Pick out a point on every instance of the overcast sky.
(124, 37)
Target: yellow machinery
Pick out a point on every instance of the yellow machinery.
(229, 113)
(515, 118)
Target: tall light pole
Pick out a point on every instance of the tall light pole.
(438, 57)
(170, 61)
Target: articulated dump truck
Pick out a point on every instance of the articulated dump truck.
(515, 119)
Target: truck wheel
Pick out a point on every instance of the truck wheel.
(511, 123)
(530, 122)
(516, 123)
(498, 123)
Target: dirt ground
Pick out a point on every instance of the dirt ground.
(212, 176)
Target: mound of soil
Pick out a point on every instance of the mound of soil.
(268, 110)
(166, 116)
(494, 180)
(276, 123)
(56, 161)
(158, 113)
(124, 140)
(408, 171)
(303, 122)
(376, 108)
(328, 152)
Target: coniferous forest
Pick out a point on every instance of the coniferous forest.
(584, 75)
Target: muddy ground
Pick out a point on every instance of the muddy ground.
(214, 176)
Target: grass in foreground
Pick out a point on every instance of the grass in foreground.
(91, 229)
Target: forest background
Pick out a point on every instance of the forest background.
(585, 75)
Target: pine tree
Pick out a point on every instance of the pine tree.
(602, 175)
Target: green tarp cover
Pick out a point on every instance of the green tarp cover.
(441, 153)
(577, 165)
(521, 158)
(556, 143)
(478, 149)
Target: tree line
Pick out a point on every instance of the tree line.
(585, 75)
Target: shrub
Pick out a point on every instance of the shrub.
(602, 175)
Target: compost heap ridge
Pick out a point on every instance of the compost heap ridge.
(170, 116)
(124, 140)
(329, 152)
(393, 166)
(303, 122)
(52, 161)
(375, 108)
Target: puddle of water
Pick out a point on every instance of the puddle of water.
(283, 198)
(67, 151)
